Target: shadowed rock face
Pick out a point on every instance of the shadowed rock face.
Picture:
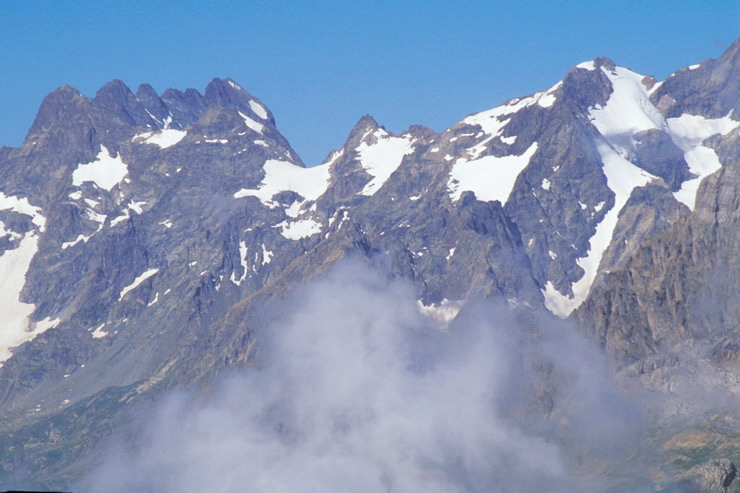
(152, 226)
(657, 154)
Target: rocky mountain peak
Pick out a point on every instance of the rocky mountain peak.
(184, 108)
(115, 89)
(190, 95)
(363, 127)
(57, 106)
(586, 85)
(116, 97)
(366, 122)
(153, 104)
(227, 93)
(421, 132)
(146, 92)
(605, 62)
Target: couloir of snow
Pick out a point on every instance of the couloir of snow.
(243, 253)
(622, 177)
(628, 112)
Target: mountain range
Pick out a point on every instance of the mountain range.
(142, 234)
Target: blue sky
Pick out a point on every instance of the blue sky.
(321, 65)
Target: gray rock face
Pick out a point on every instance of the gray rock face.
(694, 260)
(656, 153)
(152, 205)
(709, 89)
(143, 230)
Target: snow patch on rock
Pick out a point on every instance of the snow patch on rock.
(490, 120)
(98, 332)
(252, 124)
(296, 230)
(165, 138)
(266, 255)
(21, 205)
(333, 157)
(14, 265)
(8, 232)
(105, 172)
(688, 133)
(135, 284)
(382, 158)
(80, 238)
(280, 176)
(629, 111)
(490, 177)
(258, 109)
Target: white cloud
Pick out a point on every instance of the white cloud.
(354, 390)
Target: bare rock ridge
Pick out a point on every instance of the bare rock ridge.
(139, 232)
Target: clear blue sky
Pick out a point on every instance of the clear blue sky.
(321, 65)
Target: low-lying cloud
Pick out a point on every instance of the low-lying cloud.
(353, 390)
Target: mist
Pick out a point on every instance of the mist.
(353, 389)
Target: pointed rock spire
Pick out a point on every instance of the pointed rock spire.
(57, 106)
(117, 98)
(229, 94)
(226, 92)
(362, 128)
(153, 104)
